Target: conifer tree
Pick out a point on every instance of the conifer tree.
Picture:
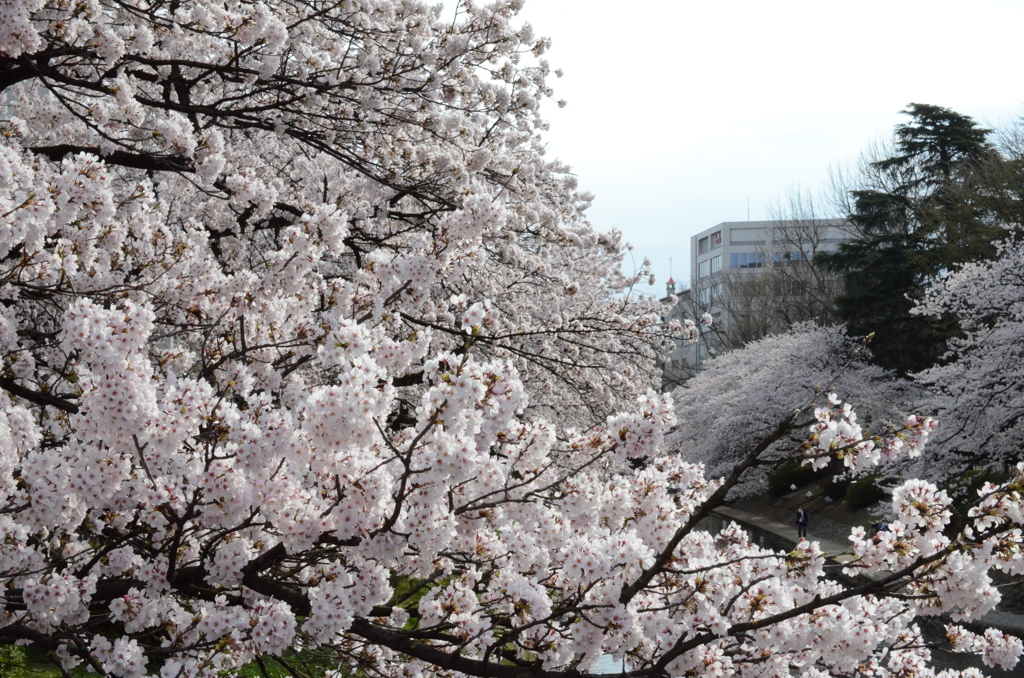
(912, 226)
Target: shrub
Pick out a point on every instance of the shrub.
(793, 473)
(836, 488)
(863, 492)
(13, 662)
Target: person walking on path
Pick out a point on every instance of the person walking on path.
(801, 523)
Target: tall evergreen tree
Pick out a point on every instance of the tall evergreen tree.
(911, 226)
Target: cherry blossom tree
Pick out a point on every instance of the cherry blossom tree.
(979, 391)
(405, 151)
(290, 298)
(745, 394)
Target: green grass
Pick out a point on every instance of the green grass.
(26, 662)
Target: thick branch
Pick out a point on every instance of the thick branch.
(60, 402)
(15, 632)
(143, 161)
(449, 661)
(412, 379)
(11, 72)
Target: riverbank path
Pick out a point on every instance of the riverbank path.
(1005, 621)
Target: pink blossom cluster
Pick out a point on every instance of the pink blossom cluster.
(995, 647)
(836, 433)
(123, 657)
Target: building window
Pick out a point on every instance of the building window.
(716, 264)
(746, 260)
(702, 246)
(717, 290)
(704, 297)
(746, 236)
(702, 352)
(793, 257)
(704, 269)
(716, 240)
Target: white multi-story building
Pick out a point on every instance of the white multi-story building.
(677, 367)
(721, 259)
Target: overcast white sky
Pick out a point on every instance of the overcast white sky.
(680, 111)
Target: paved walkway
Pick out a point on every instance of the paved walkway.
(779, 529)
(1005, 621)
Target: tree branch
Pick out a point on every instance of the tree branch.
(704, 510)
(143, 161)
(60, 402)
